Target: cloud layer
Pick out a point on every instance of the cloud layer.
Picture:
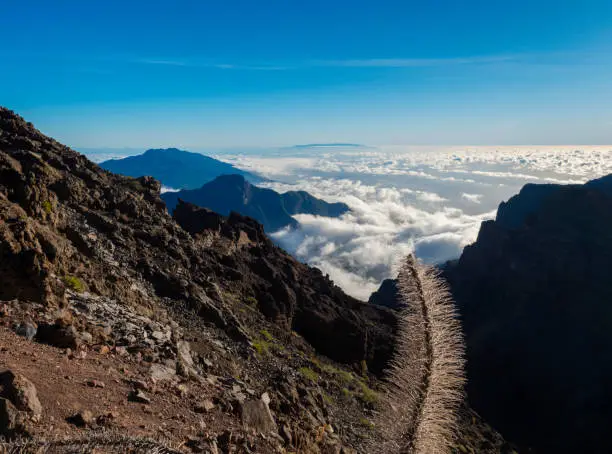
(361, 248)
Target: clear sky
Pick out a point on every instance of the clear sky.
(220, 73)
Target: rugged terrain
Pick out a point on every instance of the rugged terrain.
(274, 211)
(196, 331)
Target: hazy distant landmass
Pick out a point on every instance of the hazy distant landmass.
(176, 168)
(229, 193)
(330, 145)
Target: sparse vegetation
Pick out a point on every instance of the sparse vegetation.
(342, 376)
(261, 347)
(308, 373)
(368, 395)
(267, 336)
(74, 283)
(47, 206)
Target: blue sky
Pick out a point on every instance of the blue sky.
(266, 73)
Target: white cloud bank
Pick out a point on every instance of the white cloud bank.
(362, 248)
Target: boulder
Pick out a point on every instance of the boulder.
(11, 419)
(59, 336)
(256, 414)
(21, 392)
(83, 418)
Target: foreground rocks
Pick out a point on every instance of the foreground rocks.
(21, 392)
(19, 404)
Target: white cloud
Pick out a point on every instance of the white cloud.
(474, 198)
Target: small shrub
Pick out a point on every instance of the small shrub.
(266, 334)
(251, 301)
(47, 207)
(368, 395)
(74, 283)
(366, 423)
(308, 373)
(261, 347)
(364, 368)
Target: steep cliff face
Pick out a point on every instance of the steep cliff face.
(534, 292)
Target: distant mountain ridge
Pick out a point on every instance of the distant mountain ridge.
(174, 168)
(274, 211)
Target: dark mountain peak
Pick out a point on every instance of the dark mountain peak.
(176, 152)
(233, 179)
(603, 184)
(233, 192)
(387, 295)
(175, 168)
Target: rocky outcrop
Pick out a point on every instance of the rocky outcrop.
(534, 292)
(296, 296)
(387, 295)
(21, 392)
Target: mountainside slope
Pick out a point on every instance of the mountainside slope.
(92, 261)
(175, 168)
(229, 193)
(118, 322)
(534, 291)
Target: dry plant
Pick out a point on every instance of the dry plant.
(103, 442)
(425, 384)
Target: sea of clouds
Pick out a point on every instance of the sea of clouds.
(426, 200)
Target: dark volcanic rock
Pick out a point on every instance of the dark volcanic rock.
(229, 193)
(58, 335)
(535, 292)
(296, 296)
(387, 295)
(175, 168)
